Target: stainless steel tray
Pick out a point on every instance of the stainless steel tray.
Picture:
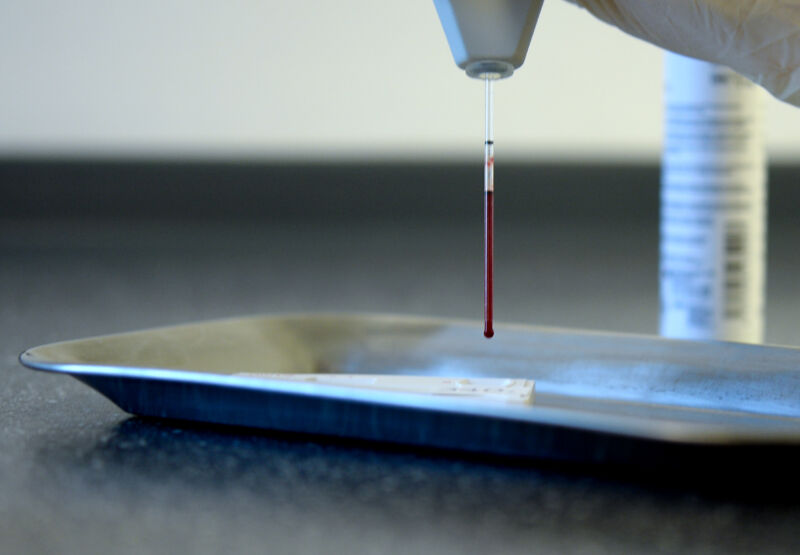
(599, 396)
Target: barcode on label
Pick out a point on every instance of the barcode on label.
(734, 269)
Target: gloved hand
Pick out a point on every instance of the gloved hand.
(759, 39)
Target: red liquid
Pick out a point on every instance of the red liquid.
(488, 263)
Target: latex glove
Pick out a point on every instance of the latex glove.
(759, 39)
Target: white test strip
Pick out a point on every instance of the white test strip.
(509, 390)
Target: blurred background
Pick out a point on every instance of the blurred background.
(356, 79)
(314, 155)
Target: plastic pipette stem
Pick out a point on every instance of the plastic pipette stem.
(488, 213)
(488, 176)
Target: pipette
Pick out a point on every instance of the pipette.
(489, 40)
(488, 213)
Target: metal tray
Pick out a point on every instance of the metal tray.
(599, 396)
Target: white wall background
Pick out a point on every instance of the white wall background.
(319, 78)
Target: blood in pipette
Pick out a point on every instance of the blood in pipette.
(488, 262)
(488, 214)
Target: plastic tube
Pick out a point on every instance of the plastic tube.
(713, 196)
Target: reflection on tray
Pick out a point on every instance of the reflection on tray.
(477, 389)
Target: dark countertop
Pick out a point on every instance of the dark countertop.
(77, 475)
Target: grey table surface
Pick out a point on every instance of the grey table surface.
(77, 475)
